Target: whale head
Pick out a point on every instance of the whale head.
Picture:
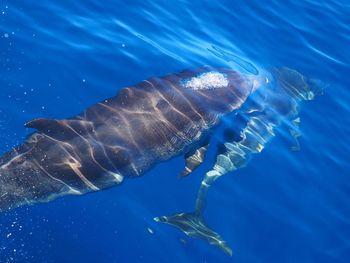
(297, 85)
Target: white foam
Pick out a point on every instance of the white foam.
(209, 80)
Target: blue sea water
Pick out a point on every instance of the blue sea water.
(59, 57)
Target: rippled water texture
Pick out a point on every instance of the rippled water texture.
(58, 57)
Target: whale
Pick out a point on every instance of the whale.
(273, 104)
(123, 136)
(151, 122)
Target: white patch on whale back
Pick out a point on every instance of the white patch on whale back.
(208, 80)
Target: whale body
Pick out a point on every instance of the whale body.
(273, 104)
(119, 137)
(152, 121)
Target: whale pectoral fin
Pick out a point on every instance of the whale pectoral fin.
(194, 226)
(194, 159)
(295, 133)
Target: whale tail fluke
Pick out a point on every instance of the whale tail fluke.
(194, 226)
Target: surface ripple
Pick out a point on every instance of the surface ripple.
(59, 57)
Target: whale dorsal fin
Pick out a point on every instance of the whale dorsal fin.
(40, 124)
(51, 126)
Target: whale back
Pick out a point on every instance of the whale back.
(119, 137)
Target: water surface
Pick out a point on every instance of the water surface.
(59, 57)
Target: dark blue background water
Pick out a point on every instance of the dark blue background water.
(58, 57)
